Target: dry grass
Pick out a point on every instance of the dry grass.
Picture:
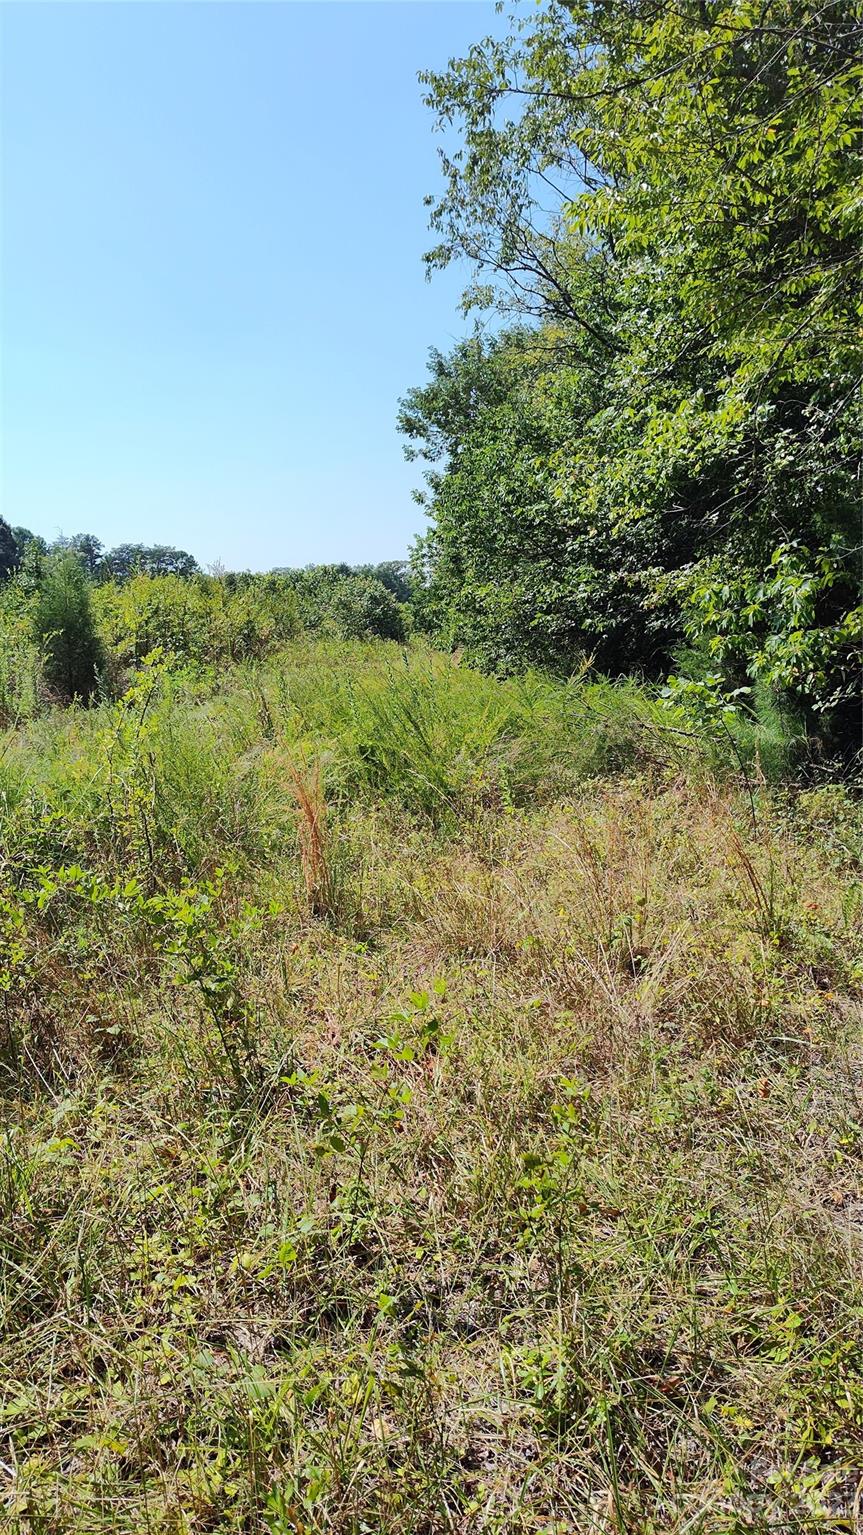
(312, 825)
(511, 1185)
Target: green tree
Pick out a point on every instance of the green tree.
(350, 600)
(393, 574)
(64, 627)
(29, 543)
(362, 607)
(10, 554)
(699, 279)
(127, 560)
(87, 548)
(511, 568)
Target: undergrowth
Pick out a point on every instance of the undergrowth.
(429, 1103)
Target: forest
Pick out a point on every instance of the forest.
(431, 1070)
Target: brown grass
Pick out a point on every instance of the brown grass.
(540, 1211)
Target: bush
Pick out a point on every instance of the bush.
(351, 604)
(20, 659)
(203, 620)
(361, 607)
(64, 626)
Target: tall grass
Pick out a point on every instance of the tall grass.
(21, 660)
(428, 1105)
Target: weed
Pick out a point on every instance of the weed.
(427, 1105)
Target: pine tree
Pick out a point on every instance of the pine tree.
(64, 626)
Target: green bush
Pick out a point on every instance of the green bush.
(203, 620)
(20, 654)
(361, 607)
(351, 603)
(64, 627)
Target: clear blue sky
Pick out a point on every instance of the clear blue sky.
(210, 270)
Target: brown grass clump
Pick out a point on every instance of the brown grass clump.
(312, 826)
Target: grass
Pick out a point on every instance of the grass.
(428, 1106)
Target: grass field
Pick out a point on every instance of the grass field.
(430, 1104)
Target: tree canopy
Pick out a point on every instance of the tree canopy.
(661, 447)
(126, 560)
(10, 554)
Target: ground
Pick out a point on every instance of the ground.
(429, 1105)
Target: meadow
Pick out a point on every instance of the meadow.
(431, 1103)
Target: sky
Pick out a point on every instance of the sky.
(211, 283)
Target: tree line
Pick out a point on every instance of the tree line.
(20, 549)
(74, 621)
(648, 453)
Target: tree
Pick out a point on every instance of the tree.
(10, 555)
(163, 560)
(126, 560)
(361, 607)
(393, 574)
(698, 279)
(350, 599)
(510, 568)
(64, 627)
(87, 548)
(33, 543)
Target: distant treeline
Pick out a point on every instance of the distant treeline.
(20, 548)
(75, 619)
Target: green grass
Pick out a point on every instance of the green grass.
(428, 1106)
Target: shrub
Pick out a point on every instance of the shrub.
(64, 626)
(361, 607)
(203, 620)
(352, 604)
(20, 658)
